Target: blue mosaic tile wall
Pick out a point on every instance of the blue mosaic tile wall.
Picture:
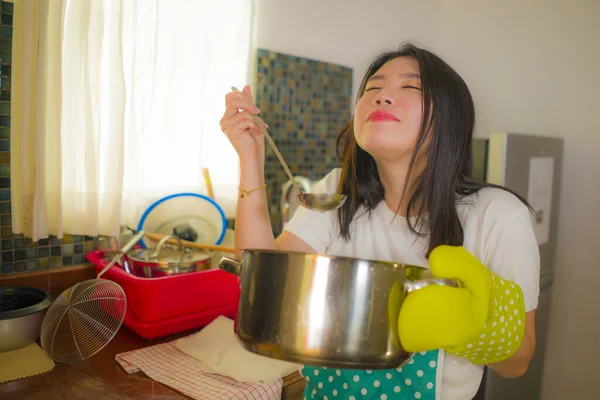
(19, 254)
(306, 104)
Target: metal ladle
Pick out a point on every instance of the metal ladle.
(313, 201)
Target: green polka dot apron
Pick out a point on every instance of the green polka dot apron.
(416, 379)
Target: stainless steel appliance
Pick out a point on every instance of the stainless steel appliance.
(531, 166)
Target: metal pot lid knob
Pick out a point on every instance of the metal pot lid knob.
(185, 232)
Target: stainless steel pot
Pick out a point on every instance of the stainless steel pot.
(22, 311)
(323, 310)
(166, 261)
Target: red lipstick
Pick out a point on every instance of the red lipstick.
(380, 115)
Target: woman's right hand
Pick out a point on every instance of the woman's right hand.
(241, 130)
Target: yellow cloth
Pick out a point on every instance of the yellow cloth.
(21, 363)
(483, 321)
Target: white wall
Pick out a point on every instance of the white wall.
(533, 67)
(346, 32)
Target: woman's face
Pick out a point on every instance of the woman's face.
(388, 115)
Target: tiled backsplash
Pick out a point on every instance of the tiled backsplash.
(20, 254)
(306, 104)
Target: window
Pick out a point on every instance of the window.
(117, 103)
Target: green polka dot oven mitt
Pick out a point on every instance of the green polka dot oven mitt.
(483, 321)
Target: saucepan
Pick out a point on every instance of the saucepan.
(323, 310)
(166, 261)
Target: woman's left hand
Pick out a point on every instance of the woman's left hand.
(483, 321)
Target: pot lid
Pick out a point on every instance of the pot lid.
(168, 255)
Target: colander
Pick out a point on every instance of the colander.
(86, 316)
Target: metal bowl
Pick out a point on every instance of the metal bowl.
(22, 311)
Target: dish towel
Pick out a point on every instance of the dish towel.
(167, 364)
(217, 347)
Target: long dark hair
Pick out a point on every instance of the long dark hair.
(445, 136)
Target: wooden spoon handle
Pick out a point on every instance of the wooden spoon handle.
(155, 237)
(208, 184)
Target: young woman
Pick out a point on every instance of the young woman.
(406, 172)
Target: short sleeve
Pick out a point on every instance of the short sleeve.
(512, 252)
(313, 227)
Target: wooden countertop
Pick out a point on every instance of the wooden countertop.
(100, 377)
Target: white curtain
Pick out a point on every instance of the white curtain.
(116, 103)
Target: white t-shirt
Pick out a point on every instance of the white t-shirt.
(498, 230)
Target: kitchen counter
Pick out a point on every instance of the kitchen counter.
(102, 378)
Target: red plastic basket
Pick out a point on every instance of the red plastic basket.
(158, 307)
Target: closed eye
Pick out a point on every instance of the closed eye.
(404, 87)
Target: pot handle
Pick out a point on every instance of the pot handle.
(124, 250)
(411, 286)
(231, 265)
(162, 242)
